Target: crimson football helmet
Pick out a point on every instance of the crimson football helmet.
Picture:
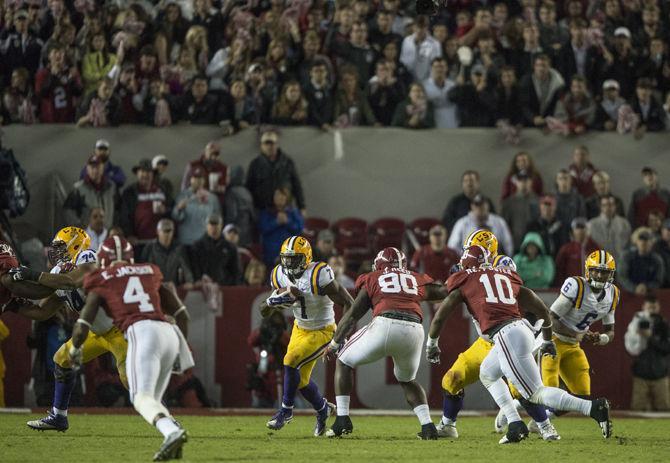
(475, 257)
(115, 249)
(390, 257)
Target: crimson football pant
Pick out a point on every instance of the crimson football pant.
(512, 357)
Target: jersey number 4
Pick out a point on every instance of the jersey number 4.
(503, 289)
(395, 283)
(135, 294)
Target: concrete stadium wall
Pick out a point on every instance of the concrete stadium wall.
(368, 173)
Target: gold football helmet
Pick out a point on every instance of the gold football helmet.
(599, 269)
(295, 255)
(484, 238)
(67, 244)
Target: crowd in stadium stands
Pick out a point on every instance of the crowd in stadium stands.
(565, 66)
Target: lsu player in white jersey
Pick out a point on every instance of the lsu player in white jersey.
(465, 370)
(72, 260)
(309, 289)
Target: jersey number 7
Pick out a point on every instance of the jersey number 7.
(135, 294)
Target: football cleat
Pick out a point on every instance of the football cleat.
(500, 423)
(446, 430)
(600, 411)
(321, 418)
(280, 419)
(171, 448)
(547, 432)
(516, 432)
(428, 432)
(51, 422)
(342, 425)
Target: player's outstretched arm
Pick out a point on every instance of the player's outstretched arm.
(435, 292)
(67, 280)
(339, 295)
(28, 289)
(348, 321)
(83, 324)
(448, 305)
(530, 302)
(173, 306)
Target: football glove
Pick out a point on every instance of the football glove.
(76, 357)
(332, 350)
(280, 300)
(24, 273)
(591, 337)
(433, 354)
(548, 348)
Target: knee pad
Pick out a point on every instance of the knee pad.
(63, 375)
(452, 382)
(149, 407)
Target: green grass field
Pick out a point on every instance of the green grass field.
(122, 438)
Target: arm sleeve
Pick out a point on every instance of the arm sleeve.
(561, 306)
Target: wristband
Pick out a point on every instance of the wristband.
(179, 310)
(604, 339)
(548, 326)
(84, 322)
(430, 342)
(334, 345)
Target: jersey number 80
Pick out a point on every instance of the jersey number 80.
(395, 283)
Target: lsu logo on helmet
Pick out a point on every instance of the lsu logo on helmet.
(599, 269)
(483, 238)
(295, 255)
(67, 244)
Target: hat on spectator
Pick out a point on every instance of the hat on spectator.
(144, 164)
(622, 31)
(548, 199)
(197, 172)
(610, 83)
(231, 227)
(325, 235)
(646, 170)
(159, 159)
(666, 224)
(102, 144)
(94, 160)
(578, 222)
(478, 200)
(478, 69)
(215, 218)
(165, 225)
(22, 13)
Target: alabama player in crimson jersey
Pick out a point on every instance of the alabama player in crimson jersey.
(394, 294)
(131, 295)
(492, 296)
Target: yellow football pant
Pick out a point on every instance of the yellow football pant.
(465, 369)
(305, 348)
(96, 345)
(571, 365)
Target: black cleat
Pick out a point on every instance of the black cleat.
(342, 425)
(516, 432)
(428, 432)
(600, 411)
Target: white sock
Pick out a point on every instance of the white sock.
(448, 421)
(517, 404)
(166, 426)
(560, 400)
(58, 411)
(544, 423)
(500, 393)
(342, 403)
(423, 413)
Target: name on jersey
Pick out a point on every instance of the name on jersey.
(124, 271)
(495, 269)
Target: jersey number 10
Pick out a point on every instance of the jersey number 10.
(503, 289)
(394, 283)
(135, 294)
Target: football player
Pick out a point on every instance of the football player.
(134, 298)
(394, 294)
(309, 289)
(465, 370)
(493, 296)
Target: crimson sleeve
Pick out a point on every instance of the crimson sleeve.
(361, 282)
(92, 280)
(456, 280)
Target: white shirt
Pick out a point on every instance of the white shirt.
(467, 224)
(96, 239)
(445, 109)
(417, 58)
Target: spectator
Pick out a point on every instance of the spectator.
(481, 26)
(56, 88)
(214, 256)
(435, 259)
(277, 223)
(142, 205)
(648, 198)
(255, 274)
(169, 256)
(198, 106)
(553, 231)
(20, 47)
(581, 170)
(292, 107)
(156, 110)
(358, 52)
(215, 172)
(272, 169)
(100, 108)
(318, 92)
(398, 70)
(160, 163)
(96, 229)
(522, 164)
(132, 99)
(575, 111)
(325, 246)
(475, 100)
(642, 269)
(415, 112)
(381, 32)
(609, 230)
(608, 110)
(232, 234)
(97, 62)
(569, 204)
(481, 217)
(339, 266)
(419, 49)
(351, 106)
(239, 207)
(648, 109)
(94, 190)
(521, 208)
(508, 100)
(572, 255)
(534, 266)
(523, 58)
(578, 56)
(662, 248)
(459, 205)
(113, 172)
(487, 56)
(384, 92)
(18, 100)
(437, 86)
(193, 206)
(647, 339)
(621, 62)
(540, 92)
(601, 187)
(552, 36)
